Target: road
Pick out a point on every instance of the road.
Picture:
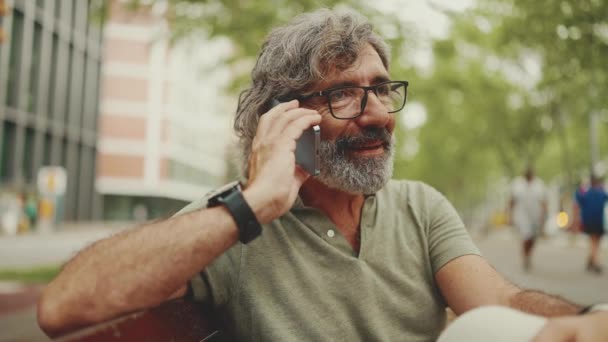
(558, 265)
(557, 268)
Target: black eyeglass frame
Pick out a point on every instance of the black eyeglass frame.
(327, 92)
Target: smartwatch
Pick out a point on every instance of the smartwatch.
(231, 197)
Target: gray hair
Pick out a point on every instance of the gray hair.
(296, 56)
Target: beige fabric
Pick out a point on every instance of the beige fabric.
(301, 281)
(495, 324)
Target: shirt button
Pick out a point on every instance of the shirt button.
(331, 233)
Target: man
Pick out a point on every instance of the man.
(347, 255)
(591, 203)
(528, 208)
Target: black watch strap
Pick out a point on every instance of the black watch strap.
(247, 223)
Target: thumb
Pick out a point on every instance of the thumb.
(555, 333)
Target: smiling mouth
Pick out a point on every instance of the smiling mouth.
(370, 146)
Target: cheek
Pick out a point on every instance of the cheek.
(332, 128)
(390, 126)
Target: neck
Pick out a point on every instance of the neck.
(342, 208)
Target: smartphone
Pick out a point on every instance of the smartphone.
(307, 147)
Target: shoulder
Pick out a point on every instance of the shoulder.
(193, 206)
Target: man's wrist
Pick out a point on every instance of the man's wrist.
(231, 197)
(262, 211)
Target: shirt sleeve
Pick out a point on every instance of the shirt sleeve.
(447, 235)
(216, 284)
(213, 285)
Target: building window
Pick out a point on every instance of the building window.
(95, 108)
(58, 8)
(48, 144)
(8, 154)
(50, 110)
(89, 109)
(68, 85)
(15, 59)
(35, 69)
(77, 72)
(28, 154)
(64, 152)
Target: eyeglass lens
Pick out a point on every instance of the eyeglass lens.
(348, 102)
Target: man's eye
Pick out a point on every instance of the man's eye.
(383, 90)
(341, 95)
(338, 95)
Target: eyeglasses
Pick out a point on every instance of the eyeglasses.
(349, 102)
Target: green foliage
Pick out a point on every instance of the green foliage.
(40, 275)
(487, 118)
(98, 11)
(570, 37)
(513, 84)
(246, 23)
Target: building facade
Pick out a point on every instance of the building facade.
(50, 64)
(140, 125)
(164, 121)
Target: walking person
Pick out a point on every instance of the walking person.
(591, 210)
(528, 211)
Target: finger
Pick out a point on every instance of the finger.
(280, 109)
(285, 106)
(284, 119)
(298, 126)
(268, 117)
(552, 332)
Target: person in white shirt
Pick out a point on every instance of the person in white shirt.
(528, 211)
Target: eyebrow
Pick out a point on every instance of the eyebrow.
(339, 84)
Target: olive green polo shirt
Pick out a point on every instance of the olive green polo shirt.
(301, 280)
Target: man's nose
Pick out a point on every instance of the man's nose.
(375, 112)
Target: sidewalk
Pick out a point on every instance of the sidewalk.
(18, 301)
(557, 238)
(558, 265)
(44, 249)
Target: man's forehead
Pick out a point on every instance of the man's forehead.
(368, 67)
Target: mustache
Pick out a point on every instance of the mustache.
(368, 134)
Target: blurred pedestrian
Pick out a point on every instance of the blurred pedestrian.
(528, 211)
(576, 225)
(30, 209)
(591, 210)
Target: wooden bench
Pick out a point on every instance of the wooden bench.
(177, 320)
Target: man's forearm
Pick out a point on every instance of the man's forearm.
(136, 269)
(539, 303)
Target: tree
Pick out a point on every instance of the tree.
(513, 84)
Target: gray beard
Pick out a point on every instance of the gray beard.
(362, 175)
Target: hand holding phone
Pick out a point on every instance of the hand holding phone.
(307, 147)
